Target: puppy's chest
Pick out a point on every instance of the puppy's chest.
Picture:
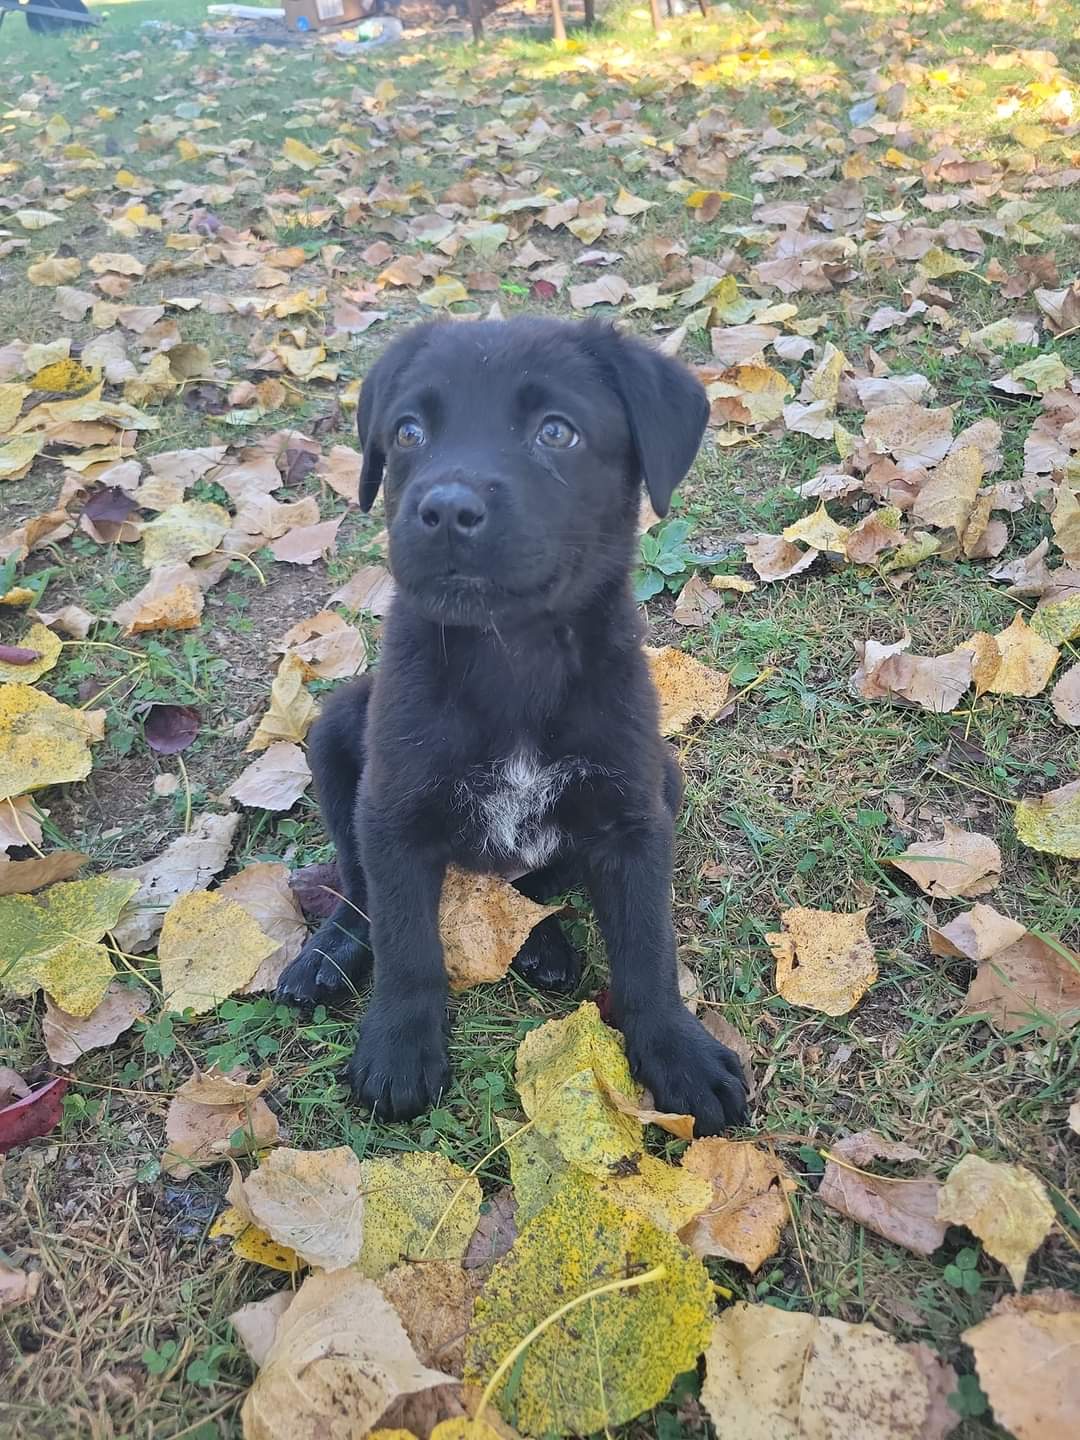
(508, 808)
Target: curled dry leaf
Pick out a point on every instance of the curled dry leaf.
(69, 1036)
(681, 1126)
(328, 647)
(33, 1114)
(291, 710)
(170, 728)
(1051, 822)
(172, 599)
(483, 922)
(1020, 978)
(977, 934)
(633, 1342)
(686, 688)
(774, 558)
(1006, 1206)
(900, 1209)
(275, 781)
(1025, 1357)
(305, 544)
(209, 948)
(339, 1357)
(406, 1197)
(214, 1117)
(961, 863)
(371, 589)
(311, 1201)
(824, 960)
(256, 1324)
(696, 603)
(748, 1210)
(886, 672)
(184, 865)
(775, 1374)
(1025, 661)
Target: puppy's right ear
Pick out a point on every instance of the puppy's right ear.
(376, 396)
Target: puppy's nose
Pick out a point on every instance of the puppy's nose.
(453, 508)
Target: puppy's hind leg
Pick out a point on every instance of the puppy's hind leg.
(547, 960)
(336, 959)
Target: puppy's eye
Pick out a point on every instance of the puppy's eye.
(556, 433)
(410, 434)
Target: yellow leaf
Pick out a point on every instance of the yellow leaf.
(446, 291)
(48, 645)
(406, 1197)
(685, 687)
(824, 960)
(209, 948)
(562, 1068)
(774, 1374)
(301, 155)
(251, 1243)
(749, 394)
(291, 710)
(1058, 621)
(55, 270)
(1025, 1356)
(1006, 1206)
(42, 742)
(747, 1211)
(947, 498)
(937, 263)
(732, 582)
(51, 942)
(310, 1201)
(627, 204)
(618, 1353)
(1066, 523)
(67, 377)
(1025, 661)
(1051, 822)
(17, 456)
(820, 531)
(483, 922)
(338, 1359)
(109, 262)
(193, 527)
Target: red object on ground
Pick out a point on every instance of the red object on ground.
(35, 1114)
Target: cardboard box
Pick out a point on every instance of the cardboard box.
(309, 15)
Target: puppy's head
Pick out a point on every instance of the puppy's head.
(512, 456)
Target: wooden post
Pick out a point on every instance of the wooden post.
(477, 18)
(557, 26)
(590, 13)
(654, 11)
(703, 6)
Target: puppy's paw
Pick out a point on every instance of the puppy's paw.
(688, 1072)
(329, 968)
(547, 960)
(400, 1065)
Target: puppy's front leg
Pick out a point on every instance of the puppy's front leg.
(687, 1070)
(400, 1064)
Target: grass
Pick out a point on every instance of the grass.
(796, 799)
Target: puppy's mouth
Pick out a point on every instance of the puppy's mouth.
(458, 597)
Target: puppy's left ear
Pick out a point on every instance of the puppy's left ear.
(666, 406)
(376, 394)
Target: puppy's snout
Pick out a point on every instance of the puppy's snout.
(452, 508)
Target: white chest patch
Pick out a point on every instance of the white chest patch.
(511, 805)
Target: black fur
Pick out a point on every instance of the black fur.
(514, 633)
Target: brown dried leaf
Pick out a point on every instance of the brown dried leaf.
(1026, 980)
(686, 688)
(774, 558)
(933, 683)
(371, 588)
(307, 543)
(748, 1210)
(916, 438)
(309, 1200)
(434, 1301)
(69, 1036)
(263, 890)
(275, 781)
(901, 1210)
(961, 863)
(1065, 697)
(188, 863)
(1025, 1356)
(483, 922)
(20, 877)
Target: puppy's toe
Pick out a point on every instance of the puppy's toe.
(328, 969)
(688, 1072)
(400, 1067)
(547, 960)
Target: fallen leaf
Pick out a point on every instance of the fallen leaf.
(1051, 822)
(749, 1209)
(824, 960)
(209, 948)
(697, 602)
(686, 688)
(340, 469)
(32, 1115)
(773, 1374)
(292, 709)
(434, 1302)
(67, 1037)
(1025, 661)
(615, 1358)
(495, 1232)
(168, 729)
(748, 394)
(275, 781)
(899, 1209)
(371, 589)
(42, 650)
(256, 1324)
(732, 582)
(820, 531)
(339, 1357)
(916, 438)
(184, 865)
(933, 683)
(311, 1201)
(12, 1086)
(21, 877)
(1006, 1206)
(251, 1243)
(42, 742)
(723, 1030)
(1065, 697)
(605, 290)
(976, 934)
(947, 498)
(17, 1287)
(961, 863)
(774, 558)
(328, 646)
(483, 922)
(211, 1119)
(307, 543)
(263, 891)
(681, 1126)
(1029, 978)
(51, 942)
(1025, 1360)
(405, 1198)
(172, 599)
(178, 534)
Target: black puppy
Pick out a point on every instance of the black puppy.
(512, 724)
